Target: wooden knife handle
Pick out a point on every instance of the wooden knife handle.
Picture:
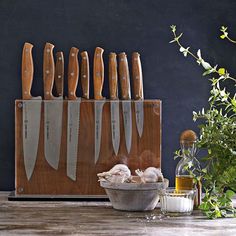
(113, 88)
(73, 73)
(98, 73)
(137, 76)
(124, 76)
(27, 71)
(59, 73)
(85, 74)
(48, 71)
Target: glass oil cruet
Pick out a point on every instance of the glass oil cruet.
(188, 165)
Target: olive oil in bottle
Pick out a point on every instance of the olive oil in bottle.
(188, 166)
(184, 182)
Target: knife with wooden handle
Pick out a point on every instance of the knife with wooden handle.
(137, 78)
(31, 112)
(126, 96)
(85, 74)
(59, 74)
(98, 80)
(53, 107)
(73, 114)
(73, 73)
(114, 102)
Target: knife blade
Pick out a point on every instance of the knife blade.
(85, 74)
(126, 102)
(114, 103)
(59, 74)
(73, 114)
(138, 91)
(53, 107)
(31, 112)
(98, 80)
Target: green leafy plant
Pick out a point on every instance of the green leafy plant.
(217, 136)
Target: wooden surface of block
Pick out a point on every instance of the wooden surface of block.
(145, 151)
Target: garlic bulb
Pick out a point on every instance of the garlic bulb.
(150, 175)
(117, 174)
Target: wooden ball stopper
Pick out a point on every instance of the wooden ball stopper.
(188, 135)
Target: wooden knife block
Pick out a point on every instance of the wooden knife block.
(145, 151)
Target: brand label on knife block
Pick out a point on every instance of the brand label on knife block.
(145, 151)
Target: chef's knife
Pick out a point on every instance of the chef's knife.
(31, 112)
(125, 95)
(73, 114)
(137, 79)
(114, 103)
(53, 107)
(85, 74)
(98, 79)
(59, 74)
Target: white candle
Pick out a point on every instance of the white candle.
(176, 204)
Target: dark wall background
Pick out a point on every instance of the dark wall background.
(124, 25)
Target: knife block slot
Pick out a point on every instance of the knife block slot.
(145, 151)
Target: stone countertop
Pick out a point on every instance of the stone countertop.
(99, 218)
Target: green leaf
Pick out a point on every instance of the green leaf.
(221, 71)
(230, 193)
(222, 36)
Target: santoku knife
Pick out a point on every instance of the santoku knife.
(114, 103)
(53, 107)
(98, 80)
(31, 112)
(73, 114)
(125, 95)
(137, 79)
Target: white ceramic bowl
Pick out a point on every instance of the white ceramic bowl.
(134, 196)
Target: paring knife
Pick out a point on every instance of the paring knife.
(85, 74)
(137, 78)
(98, 80)
(125, 95)
(53, 107)
(73, 114)
(59, 74)
(114, 103)
(31, 112)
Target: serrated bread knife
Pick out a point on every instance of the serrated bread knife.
(125, 95)
(53, 107)
(31, 112)
(114, 103)
(73, 114)
(98, 80)
(137, 79)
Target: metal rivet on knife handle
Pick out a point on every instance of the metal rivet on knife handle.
(98, 73)
(85, 74)
(59, 73)
(113, 76)
(124, 76)
(73, 73)
(137, 77)
(48, 71)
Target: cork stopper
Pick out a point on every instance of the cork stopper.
(188, 138)
(188, 135)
